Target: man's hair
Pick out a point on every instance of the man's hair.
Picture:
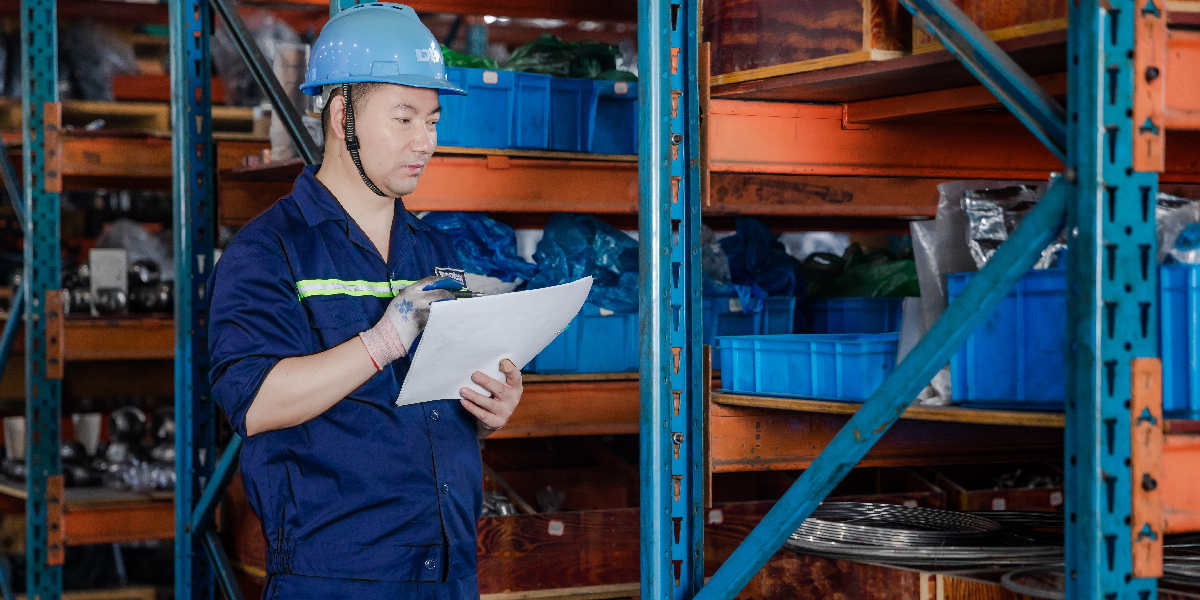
(358, 96)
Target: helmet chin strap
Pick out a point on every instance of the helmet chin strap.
(352, 140)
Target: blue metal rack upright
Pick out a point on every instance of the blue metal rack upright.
(43, 391)
(193, 189)
(672, 417)
(1108, 206)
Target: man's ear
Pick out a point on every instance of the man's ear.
(337, 115)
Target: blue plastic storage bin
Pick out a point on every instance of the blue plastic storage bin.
(1018, 357)
(613, 122)
(531, 111)
(847, 366)
(484, 117)
(571, 103)
(724, 316)
(853, 315)
(592, 344)
(1179, 336)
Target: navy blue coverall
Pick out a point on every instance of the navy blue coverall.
(367, 500)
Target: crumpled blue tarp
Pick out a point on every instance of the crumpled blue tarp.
(576, 246)
(759, 266)
(485, 246)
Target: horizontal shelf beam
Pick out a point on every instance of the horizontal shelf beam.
(550, 408)
(103, 160)
(1182, 87)
(811, 139)
(1181, 495)
(944, 414)
(623, 10)
(757, 439)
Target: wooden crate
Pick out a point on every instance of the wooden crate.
(1001, 20)
(970, 487)
(756, 39)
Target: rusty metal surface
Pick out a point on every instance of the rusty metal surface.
(1146, 444)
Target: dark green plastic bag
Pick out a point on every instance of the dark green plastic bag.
(454, 58)
(856, 274)
(550, 55)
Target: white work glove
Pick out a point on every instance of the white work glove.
(403, 320)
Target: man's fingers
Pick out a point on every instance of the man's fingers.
(492, 385)
(482, 415)
(511, 373)
(424, 281)
(484, 402)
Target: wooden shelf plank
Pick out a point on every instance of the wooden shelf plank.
(97, 515)
(742, 438)
(568, 407)
(945, 414)
(108, 159)
(114, 339)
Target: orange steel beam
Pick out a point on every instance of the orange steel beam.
(509, 184)
(1181, 81)
(810, 139)
(1180, 494)
(939, 101)
(118, 522)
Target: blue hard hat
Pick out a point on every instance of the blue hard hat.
(380, 42)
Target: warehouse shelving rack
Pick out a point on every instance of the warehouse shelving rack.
(1126, 476)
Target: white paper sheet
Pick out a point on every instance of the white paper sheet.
(475, 334)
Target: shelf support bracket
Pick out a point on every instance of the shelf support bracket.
(996, 70)
(1011, 260)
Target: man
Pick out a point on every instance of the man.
(313, 321)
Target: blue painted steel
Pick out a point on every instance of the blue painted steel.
(265, 76)
(194, 220)
(13, 189)
(202, 515)
(671, 404)
(43, 396)
(1111, 292)
(16, 317)
(995, 69)
(336, 6)
(222, 566)
(6, 591)
(897, 392)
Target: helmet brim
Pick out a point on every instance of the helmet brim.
(313, 88)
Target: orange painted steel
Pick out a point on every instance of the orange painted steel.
(1181, 80)
(1149, 98)
(511, 184)
(1181, 494)
(106, 523)
(1146, 444)
(809, 139)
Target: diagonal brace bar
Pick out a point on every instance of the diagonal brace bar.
(202, 514)
(12, 188)
(266, 78)
(221, 566)
(968, 311)
(996, 70)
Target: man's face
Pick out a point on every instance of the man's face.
(397, 132)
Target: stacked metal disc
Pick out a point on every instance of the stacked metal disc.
(911, 536)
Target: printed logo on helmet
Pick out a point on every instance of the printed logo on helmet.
(432, 54)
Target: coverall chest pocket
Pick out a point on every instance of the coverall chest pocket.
(336, 319)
